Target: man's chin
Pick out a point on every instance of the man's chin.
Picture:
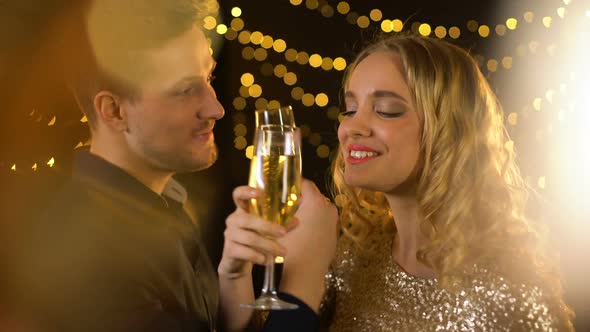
(201, 163)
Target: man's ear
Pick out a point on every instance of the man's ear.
(108, 110)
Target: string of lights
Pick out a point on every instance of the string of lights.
(262, 43)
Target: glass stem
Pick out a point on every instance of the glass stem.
(269, 279)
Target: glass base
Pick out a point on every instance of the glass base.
(270, 302)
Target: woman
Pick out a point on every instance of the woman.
(434, 235)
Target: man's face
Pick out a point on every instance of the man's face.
(170, 125)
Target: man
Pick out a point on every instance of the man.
(115, 250)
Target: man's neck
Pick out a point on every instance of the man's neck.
(134, 165)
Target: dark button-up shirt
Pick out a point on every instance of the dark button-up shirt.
(109, 254)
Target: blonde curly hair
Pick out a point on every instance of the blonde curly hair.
(470, 193)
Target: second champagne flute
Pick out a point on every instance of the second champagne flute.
(276, 170)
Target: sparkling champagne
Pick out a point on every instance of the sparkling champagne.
(279, 176)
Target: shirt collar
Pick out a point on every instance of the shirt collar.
(92, 168)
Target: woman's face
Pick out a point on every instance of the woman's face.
(380, 129)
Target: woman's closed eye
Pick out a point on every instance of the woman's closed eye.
(390, 111)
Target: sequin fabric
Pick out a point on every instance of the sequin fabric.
(373, 293)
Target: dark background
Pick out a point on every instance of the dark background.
(551, 151)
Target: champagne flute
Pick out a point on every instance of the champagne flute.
(276, 170)
(282, 116)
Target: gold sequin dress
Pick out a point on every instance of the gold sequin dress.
(372, 293)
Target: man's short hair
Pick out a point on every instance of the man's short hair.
(117, 35)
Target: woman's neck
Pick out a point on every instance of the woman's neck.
(408, 238)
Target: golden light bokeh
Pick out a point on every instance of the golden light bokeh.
(302, 58)
(511, 23)
(255, 90)
(509, 145)
(315, 60)
(231, 34)
(537, 104)
(236, 12)
(529, 17)
(339, 64)
(327, 11)
(507, 62)
(240, 143)
(239, 103)
(273, 104)
(290, 78)
(296, 2)
(492, 65)
(248, 53)
(397, 25)
(513, 119)
(244, 37)
(376, 15)
(260, 54)
(500, 29)
(308, 99)
(363, 22)
(209, 22)
(352, 18)
(267, 42)
(386, 26)
(291, 55)
(221, 29)
(51, 162)
(321, 99)
(343, 7)
(297, 93)
(327, 63)
(312, 4)
(472, 25)
(247, 79)
(280, 70)
(249, 153)
(541, 182)
(440, 32)
(425, 29)
(547, 21)
(52, 121)
(484, 31)
(454, 32)
(279, 45)
(323, 151)
(244, 91)
(261, 103)
(256, 37)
